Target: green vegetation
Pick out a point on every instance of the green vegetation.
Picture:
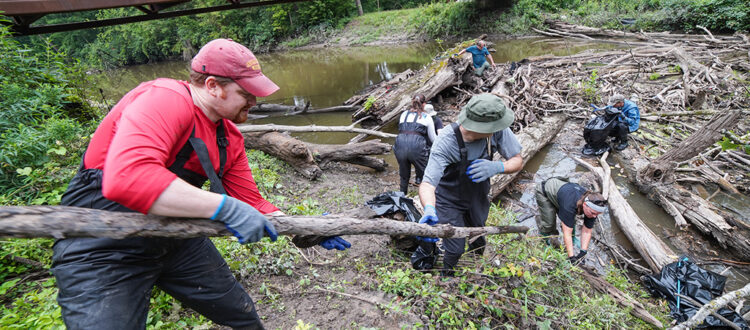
(43, 124)
(590, 88)
(649, 15)
(519, 282)
(259, 28)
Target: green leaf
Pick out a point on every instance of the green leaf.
(24, 171)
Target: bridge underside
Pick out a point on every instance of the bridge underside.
(24, 13)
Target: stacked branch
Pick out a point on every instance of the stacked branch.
(678, 81)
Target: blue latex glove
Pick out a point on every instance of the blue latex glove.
(576, 241)
(335, 242)
(482, 169)
(243, 220)
(430, 217)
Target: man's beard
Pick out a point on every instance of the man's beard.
(241, 117)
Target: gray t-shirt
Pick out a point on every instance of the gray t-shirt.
(445, 151)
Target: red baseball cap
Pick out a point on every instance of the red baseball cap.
(227, 58)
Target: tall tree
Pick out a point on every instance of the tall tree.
(359, 7)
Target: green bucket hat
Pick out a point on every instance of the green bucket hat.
(485, 113)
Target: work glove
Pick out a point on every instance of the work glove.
(430, 217)
(482, 169)
(576, 241)
(335, 242)
(243, 220)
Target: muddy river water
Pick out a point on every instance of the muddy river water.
(327, 77)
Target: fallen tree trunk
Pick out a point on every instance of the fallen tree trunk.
(311, 128)
(295, 109)
(68, 221)
(649, 246)
(356, 153)
(532, 139)
(306, 158)
(694, 209)
(636, 308)
(292, 151)
(661, 170)
(429, 82)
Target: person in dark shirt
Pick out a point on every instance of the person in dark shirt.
(430, 110)
(557, 197)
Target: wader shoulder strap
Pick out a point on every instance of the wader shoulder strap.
(460, 142)
(202, 152)
(222, 142)
(197, 145)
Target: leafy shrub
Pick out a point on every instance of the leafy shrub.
(42, 122)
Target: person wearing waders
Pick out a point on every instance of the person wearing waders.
(416, 131)
(457, 177)
(556, 197)
(151, 154)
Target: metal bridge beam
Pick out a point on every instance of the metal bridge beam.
(26, 29)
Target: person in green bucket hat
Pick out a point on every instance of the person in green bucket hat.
(457, 177)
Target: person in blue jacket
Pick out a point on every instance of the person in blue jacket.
(628, 121)
(478, 54)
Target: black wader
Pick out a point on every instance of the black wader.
(461, 203)
(620, 131)
(106, 283)
(411, 148)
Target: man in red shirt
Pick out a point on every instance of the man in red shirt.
(151, 154)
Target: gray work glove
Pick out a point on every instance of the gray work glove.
(243, 220)
(482, 169)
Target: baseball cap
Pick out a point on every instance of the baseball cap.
(615, 98)
(485, 113)
(227, 58)
(429, 109)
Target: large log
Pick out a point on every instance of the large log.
(292, 151)
(67, 221)
(532, 138)
(694, 209)
(649, 246)
(356, 153)
(311, 128)
(662, 169)
(306, 158)
(429, 81)
(296, 109)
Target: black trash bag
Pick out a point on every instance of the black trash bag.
(695, 282)
(597, 130)
(425, 256)
(392, 202)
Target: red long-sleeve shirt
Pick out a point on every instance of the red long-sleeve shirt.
(141, 136)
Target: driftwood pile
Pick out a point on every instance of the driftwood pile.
(692, 91)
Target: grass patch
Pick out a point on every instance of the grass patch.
(520, 282)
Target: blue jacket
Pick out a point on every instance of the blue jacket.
(630, 115)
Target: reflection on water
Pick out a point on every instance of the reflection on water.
(328, 76)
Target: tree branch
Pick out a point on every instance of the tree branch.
(69, 221)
